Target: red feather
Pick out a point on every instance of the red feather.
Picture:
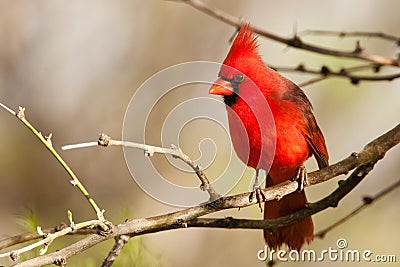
(295, 135)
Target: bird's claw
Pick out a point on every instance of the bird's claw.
(301, 177)
(260, 196)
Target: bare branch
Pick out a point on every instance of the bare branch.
(46, 141)
(363, 161)
(326, 72)
(294, 41)
(174, 151)
(119, 244)
(342, 34)
(367, 201)
(233, 223)
(50, 237)
(22, 238)
(330, 201)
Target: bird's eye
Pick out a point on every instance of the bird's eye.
(238, 78)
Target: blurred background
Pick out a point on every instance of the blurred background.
(75, 65)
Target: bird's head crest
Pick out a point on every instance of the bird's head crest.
(244, 46)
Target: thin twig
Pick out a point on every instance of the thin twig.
(50, 237)
(312, 81)
(363, 161)
(380, 35)
(294, 41)
(119, 244)
(174, 151)
(46, 141)
(326, 72)
(22, 238)
(323, 71)
(367, 201)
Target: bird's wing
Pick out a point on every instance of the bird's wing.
(312, 133)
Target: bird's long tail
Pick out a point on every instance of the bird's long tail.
(294, 235)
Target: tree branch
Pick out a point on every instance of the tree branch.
(343, 34)
(367, 201)
(174, 151)
(294, 41)
(232, 223)
(119, 244)
(48, 238)
(46, 141)
(362, 161)
(22, 238)
(326, 72)
(331, 200)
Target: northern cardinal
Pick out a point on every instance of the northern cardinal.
(248, 85)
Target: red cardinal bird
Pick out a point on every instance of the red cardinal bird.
(251, 91)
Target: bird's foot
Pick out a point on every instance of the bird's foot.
(257, 191)
(259, 194)
(301, 177)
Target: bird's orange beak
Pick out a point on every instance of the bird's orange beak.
(221, 87)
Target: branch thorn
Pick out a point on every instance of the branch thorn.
(358, 48)
(148, 152)
(377, 68)
(48, 139)
(21, 113)
(354, 80)
(14, 255)
(368, 200)
(343, 71)
(44, 249)
(103, 140)
(40, 232)
(295, 41)
(325, 70)
(71, 222)
(301, 67)
(60, 261)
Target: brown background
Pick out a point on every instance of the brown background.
(75, 65)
